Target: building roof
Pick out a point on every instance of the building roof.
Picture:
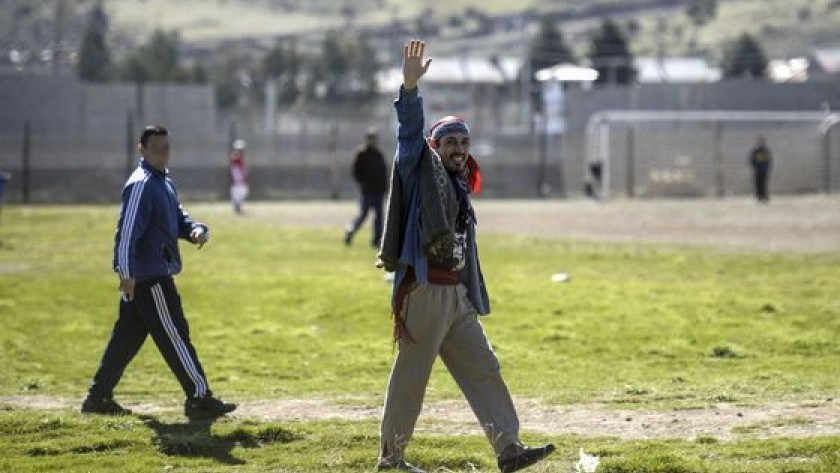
(675, 69)
(788, 70)
(566, 72)
(461, 70)
(828, 59)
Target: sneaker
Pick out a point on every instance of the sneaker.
(103, 405)
(525, 457)
(207, 407)
(401, 465)
(348, 237)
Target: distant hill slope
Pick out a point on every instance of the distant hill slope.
(783, 27)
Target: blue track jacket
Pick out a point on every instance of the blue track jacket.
(151, 221)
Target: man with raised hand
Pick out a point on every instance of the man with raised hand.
(438, 293)
(146, 257)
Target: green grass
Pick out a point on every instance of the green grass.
(36, 442)
(285, 312)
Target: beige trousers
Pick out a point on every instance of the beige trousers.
(443, 321)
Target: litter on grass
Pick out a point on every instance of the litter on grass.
(586, 463)
(560, 277)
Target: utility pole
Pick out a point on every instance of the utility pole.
(526, 74)
(58, 35)
(660, 47)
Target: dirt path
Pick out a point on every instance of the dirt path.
(723, 422)
(801, 224)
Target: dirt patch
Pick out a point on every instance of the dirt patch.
(14, 268)
(800, 224)
(723, 422)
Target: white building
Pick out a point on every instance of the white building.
(675, 69)
(476, 88)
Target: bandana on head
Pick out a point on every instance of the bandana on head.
(448, 125)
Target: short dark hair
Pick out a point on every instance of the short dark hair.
(152, 130)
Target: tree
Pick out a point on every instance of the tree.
(227, 83)
(364, 69)
(161, 54)
(282, 64)
(548, 48)
(333, 66)
(94, 54)
(743, 57)
(349, 12)
(701, 11)
(133, 69)
(156, 61)
(482, 23)
(426, 24)
(345, 69)
(610, 55)
(198, 73)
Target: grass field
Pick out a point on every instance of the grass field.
(284, 313)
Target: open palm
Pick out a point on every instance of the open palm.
(413, 65)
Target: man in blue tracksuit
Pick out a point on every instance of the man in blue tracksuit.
(146, 257)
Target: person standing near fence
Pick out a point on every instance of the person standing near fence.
(760, 160)
(146, 257)
(238, 176)
(439, 291)
(4, 177)
(371, 174)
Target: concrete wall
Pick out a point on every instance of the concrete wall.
(64, 105)
(724, 95)
(280, 167)
(799, 163)
(81, 148)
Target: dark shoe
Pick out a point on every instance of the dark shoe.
(207, 407)
(348, 237)
(401, 465)
(525, 457)
(103, 405)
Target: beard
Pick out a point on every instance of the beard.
(455, 163)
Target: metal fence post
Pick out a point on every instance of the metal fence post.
(718, 159)
(631, 162)
(25, 164)
(231, 136)
(129, 142)
(828, 183)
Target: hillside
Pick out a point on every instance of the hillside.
(783, 27)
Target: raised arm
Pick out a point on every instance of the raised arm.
(409, 106)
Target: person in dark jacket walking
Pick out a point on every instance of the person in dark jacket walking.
(146, 257)
(371, 175)
(760, 159)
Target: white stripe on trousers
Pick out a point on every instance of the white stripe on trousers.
(178, 342)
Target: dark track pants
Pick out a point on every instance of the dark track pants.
(156, 310)
(367, 202)
(762, 173)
